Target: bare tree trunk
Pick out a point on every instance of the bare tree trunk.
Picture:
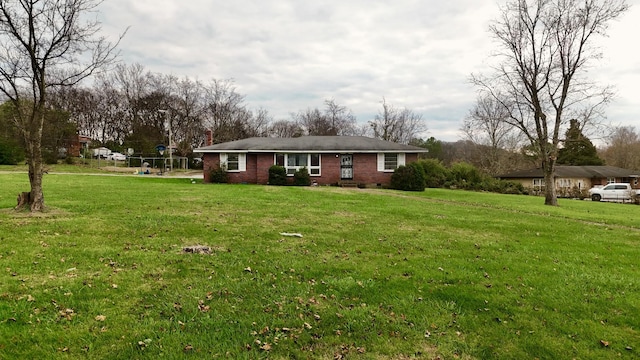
(36, 199)
(550, 196)
(33, 200)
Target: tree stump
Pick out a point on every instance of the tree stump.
(24, 200)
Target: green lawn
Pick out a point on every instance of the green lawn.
(378, 274)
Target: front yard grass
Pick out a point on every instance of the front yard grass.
(377, 274)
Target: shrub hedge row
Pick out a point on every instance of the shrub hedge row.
(432, 173)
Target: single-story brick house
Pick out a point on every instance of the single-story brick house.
(330, 160)
(570, 178)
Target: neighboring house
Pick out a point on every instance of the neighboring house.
(78, 143)
(571, 178)
(330, 160)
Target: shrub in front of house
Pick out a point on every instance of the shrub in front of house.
(463, 175)
(435, 173)
(408, 178)
(277, 175)
(501, 186)
(218, 175)
(301, 177)
(573, 193)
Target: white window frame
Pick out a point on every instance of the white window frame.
(611, 180)
(401, 161)
(315, 170)
(538, 183)
(242, 161)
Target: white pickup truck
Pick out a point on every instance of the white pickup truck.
(614, 192)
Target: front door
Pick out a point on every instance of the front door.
(346, 166)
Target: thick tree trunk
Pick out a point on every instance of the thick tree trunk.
(550, 196)
(36, 202)
(34, 199)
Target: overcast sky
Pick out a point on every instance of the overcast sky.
(289, 55)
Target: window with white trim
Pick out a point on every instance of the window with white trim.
(611, 180)
(314, 164)
(295, 162)
(388, 162)
(538, 184)
(234, 162)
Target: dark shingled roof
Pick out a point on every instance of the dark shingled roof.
(319, 144)
(587, 172)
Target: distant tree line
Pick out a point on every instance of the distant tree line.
(130, 107)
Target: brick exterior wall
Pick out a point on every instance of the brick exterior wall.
(365, 169)
(263, 163)
(329, 170)
(209, 161)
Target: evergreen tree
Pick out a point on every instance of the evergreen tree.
(578, 149)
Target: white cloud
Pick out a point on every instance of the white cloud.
(288, 55)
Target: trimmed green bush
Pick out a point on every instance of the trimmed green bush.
(218, 175)
(408, 178)
(301, 177)
(277, 175)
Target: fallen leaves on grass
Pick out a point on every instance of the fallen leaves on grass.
(144, 343)
(67, 314)
(101, 318)
(202, 307)
(346, 349)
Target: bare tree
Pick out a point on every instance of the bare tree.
(546, 47)
(623, 148)
(397, 125)
(313, 122)
(259, 123)
(43, 45)
(496, 140)
(335, 120)
(226, 113)
(188, 115)
(285, 129)
(340, 118)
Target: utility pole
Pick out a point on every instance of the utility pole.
(166, 114)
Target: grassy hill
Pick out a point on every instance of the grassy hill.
(377, 274)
